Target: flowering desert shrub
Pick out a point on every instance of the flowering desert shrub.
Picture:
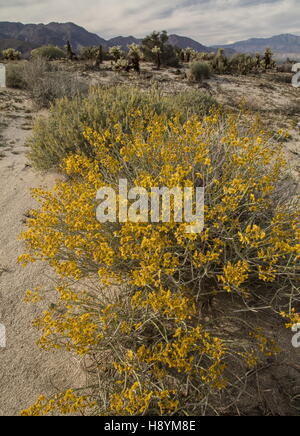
(131, 294)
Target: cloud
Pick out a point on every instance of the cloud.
(208, 21)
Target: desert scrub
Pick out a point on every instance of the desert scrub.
(44, 81)
(199, 71)
(49, 52)
(14, 76)
(62, 133)
(138, 313)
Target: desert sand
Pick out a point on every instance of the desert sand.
(25, 370)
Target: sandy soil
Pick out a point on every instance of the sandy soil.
(25, 370)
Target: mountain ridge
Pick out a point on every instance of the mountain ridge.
(58, 34)
(280, 44)
(25, 37)
(52, 33)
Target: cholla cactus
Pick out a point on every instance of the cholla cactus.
(121, 65)
(10, 54)
(242, 63)
(89, 53)
(220, 62)
(116, 52)
(246, 64)
(203, 56)
(135, 56)
(268, 59)
(70, 54)
(257, 61)
(189, 54)
(182, 55)
(99, 56)
(157, 52)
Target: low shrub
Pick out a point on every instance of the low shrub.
(45, 82)
(137, 315)
(56, 85)
(199, 71)
(285, 67)
(49, 52)
(14, 76)
(62, 132)
(35, 70)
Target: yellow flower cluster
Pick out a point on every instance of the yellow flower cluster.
(169, 304)
(68, 328)
(136, 401)
(293, 317)
(186, 352)
(68, 403)
(267, 346)
(132, 401)
(234, 275)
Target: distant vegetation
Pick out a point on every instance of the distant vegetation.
(11, 54)
(219, 63)
(48, 52)
(156, 49)
(45, 81)
(200, 71)
(14, 76)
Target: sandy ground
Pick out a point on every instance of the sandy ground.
(25, 370)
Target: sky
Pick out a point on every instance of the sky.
(207, 21)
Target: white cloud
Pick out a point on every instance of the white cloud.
(208, 21)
